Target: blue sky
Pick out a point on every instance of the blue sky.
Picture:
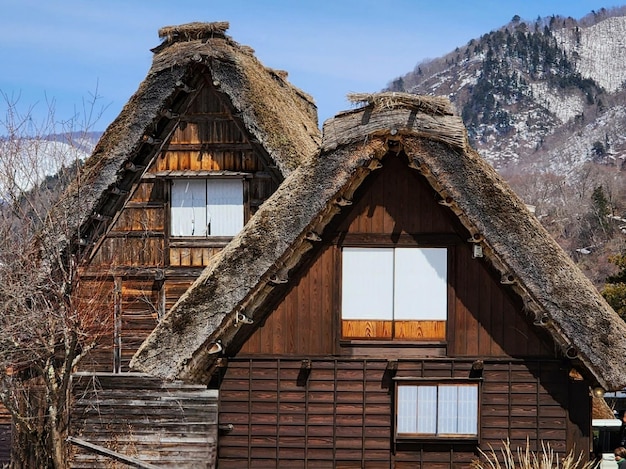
(60, 53)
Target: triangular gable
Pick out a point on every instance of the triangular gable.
(189, 56)
(395, 207)
(238, 281)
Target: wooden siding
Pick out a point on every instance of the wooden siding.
(304, 321)
(139, 316)
(101, 314)
(339, 413)
(487, 319)
(396, 199)
(191, 256)
(5, 435)
(207, 139)
(131, 251)
(403, 330)
(398, 208)
(174, 289)
(170, 425)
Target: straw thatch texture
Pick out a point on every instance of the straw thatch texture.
(274, 242)
(350, 127)
(600, 409)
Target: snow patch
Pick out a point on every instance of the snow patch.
(599, 51)
(564, 107)
(27, 162)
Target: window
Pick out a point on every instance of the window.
(206, 207)
(394, 293)
(437, 410)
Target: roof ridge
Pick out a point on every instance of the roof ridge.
(193, 31)
(436, 105)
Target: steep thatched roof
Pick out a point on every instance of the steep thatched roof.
(280, 119)
(560, 298)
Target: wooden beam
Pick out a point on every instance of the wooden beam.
(141, 272)
(102, 451)
(243, 146)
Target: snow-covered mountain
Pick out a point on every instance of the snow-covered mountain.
(27, 162)
(548, 95)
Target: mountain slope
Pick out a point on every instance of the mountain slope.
(524, 87)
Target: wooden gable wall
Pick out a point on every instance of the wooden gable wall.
(295, 395)
(137, 259)
(396, 207)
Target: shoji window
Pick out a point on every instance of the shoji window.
(447, 410)
(394, 293)
(206, 207)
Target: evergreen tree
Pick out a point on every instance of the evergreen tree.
(601, 209)
(614, 290)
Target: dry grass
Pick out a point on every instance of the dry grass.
(524, 458)
(390, 100)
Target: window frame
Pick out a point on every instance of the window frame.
(437, 436)
(445, 242)
(207, 180)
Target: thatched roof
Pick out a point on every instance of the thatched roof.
(600, 409)
(557, 295)
(280, 120)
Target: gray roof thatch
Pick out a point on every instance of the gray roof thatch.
(557, 295)
(280, 119)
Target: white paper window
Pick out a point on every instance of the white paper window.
(394, 283)
(189, 207)
(437, 410)
(421, 283)
(224, 206)
(367, 283)
(206, 207)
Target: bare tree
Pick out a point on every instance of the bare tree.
(49, 320)
(583, 211)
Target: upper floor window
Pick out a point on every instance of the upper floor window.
(394, 293)
(443, 410)
(206, 207)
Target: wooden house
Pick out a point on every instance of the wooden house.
(374, 298)
(393, 304)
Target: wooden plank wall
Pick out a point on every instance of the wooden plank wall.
(5, 436)
(207, 139)
(100, 314)
(303, 323)
(396, 199)
(341, 415)
(139, 316)
(170, 425)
